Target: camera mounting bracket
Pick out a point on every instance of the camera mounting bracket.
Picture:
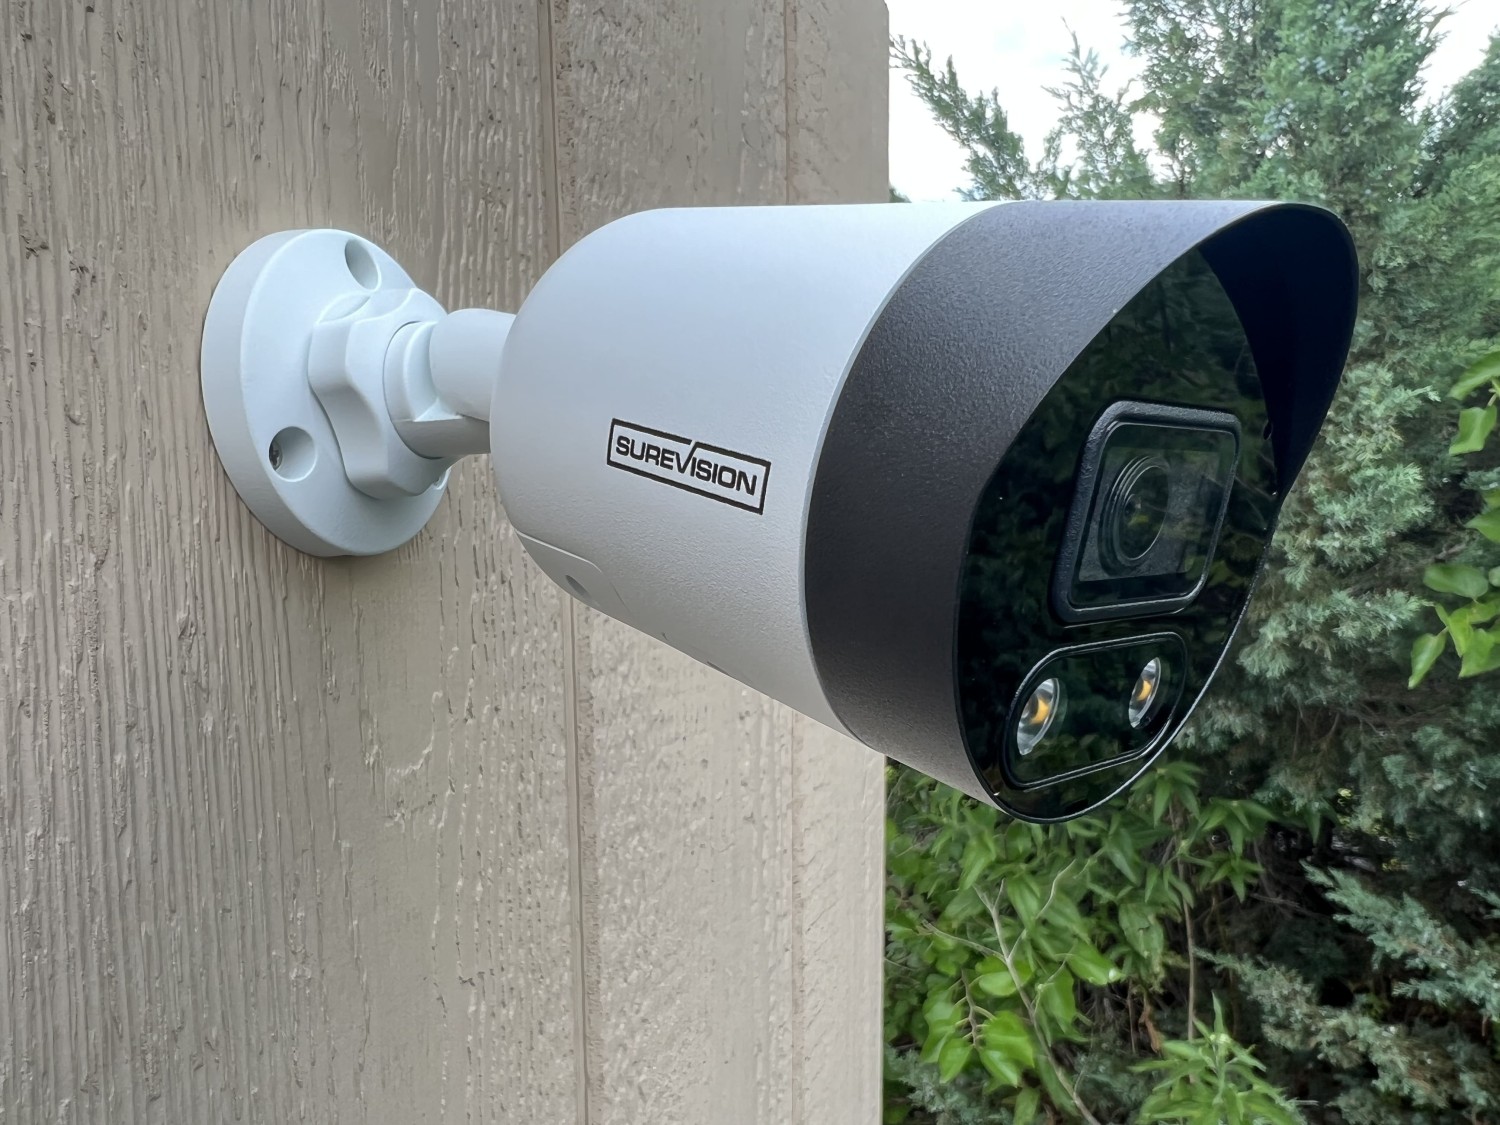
(338, 393)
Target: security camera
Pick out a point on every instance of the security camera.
(985, 486)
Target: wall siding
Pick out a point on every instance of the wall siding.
(413, 838)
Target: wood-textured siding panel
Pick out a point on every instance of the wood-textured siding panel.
(838, 97)
(412, 838)
(280, 839)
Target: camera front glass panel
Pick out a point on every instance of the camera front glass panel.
(1113, 550)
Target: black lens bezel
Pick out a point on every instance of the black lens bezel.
(1090, 479)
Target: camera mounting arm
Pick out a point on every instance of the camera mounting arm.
(339, 394)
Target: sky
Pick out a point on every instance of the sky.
(1018, 49)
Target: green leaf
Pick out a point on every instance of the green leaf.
(1425, 651)
(1457, 624)
(1028, 1101)
(1089, 964)
(1483, 654)
(1051, 1082)
(1004, 1032)
(942, 1014)
(999, 985)
(1162, 797)
(962, 906)
(1024, 898)
(1187, 1052)
(1056, 999)
(1487, 524)
(1240, 875)
(1119, 850)
(1485, 370)
(953, 1057)
(1455, 578)
(1486, 608)
(936, 1041)
(1234, 1107)
(1474, 427)
(1004, 1071)
(939, 1005)
(975, 861)
(1135, 927)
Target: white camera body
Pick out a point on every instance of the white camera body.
(984, 486)
(661, 405)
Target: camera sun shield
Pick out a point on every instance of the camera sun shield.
(1153, 488)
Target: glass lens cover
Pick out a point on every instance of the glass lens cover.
(1180, 511)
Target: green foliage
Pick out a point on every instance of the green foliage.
(1470, 627)
(1099, 124)
(1348, 925)
(1009, 944)
(996, 156)
(1431, 1065)
(1456, 972)
(1213, 1078)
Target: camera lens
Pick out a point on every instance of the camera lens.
(1135, 511)
(1146, 694)
(1038, 715)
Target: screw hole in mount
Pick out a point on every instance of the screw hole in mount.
(292, 454)
(361, 265)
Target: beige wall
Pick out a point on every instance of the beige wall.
(411, 838)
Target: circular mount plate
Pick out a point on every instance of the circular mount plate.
(270, 431)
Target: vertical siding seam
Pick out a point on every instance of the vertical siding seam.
(789, 91)
(578, 946)
(798, 929)
(799, 935)
(551, 159)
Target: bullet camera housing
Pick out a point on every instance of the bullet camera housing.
(985, 486)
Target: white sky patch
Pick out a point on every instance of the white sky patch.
(1019, 49)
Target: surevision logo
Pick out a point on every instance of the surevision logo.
(709, 470)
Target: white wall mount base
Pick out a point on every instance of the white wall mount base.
(329, 381)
